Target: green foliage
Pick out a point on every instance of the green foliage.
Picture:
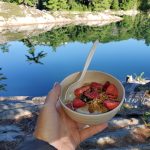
(115, 5)
(27, 2)
(146, 118)
(144, 30)
(137, 28)
(98, 5)
(11, 1)
(85, 5)
(51, 5)
(54, 5)
(62, 5)
(145, 4)
(128, 4)
(76, 6)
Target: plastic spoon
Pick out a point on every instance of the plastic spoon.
(69, 93)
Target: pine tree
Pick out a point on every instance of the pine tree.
(52, 5)
(62, 5)
(99, 5)
(128, 4)
(27, 2)
(115, 5)
(148, 4)
(105, 4)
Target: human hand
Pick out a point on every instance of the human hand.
(56, 128)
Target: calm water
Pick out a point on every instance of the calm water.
(35, 78)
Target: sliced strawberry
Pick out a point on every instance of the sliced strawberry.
(112, 91)
(77, 103)
(80, 90)
(112, 96)
(95, 85)
(109, 104)
(105, 86)
(92, 95)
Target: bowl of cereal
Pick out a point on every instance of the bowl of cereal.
(96, 101)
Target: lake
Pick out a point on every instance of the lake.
(32, 65)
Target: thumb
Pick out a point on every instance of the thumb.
(53, 95)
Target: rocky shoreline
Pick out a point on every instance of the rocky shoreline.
(28, 21)
(24, 15)
(28, 16)
(128, 130)
(18, 22)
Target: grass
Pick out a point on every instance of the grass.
(146, 118)
(10, 9)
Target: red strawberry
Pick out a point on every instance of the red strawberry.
(105, 86)
(110, 104)
(77, 103)
(112, 97)
(92, 95)
(80, 90)
(112, 91)
(95, 85)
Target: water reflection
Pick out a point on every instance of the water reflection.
(4, 47)
(131, 27)
(36, 58)
(2, 85)
(33, 57)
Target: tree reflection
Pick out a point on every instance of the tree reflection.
(4, 47)
(35, 58)
(131, 27)
(2, 85)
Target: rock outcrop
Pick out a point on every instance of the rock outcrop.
(28, 16)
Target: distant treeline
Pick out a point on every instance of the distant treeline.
(131, 27)
(85, 5)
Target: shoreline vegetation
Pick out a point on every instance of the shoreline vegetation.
(19, 116)
(84, 5)
(19, 15)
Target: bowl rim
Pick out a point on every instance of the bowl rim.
(99, 114)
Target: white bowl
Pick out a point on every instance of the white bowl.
(92, 76)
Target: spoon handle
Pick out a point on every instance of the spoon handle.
(88, 60)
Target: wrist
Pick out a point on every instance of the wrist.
(63, 145)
